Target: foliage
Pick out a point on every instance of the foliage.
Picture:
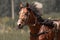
(48, 6)
(14, 35)
(7, 31)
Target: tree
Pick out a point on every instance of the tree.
(12, 4)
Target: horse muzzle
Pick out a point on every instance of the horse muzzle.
(19, 26)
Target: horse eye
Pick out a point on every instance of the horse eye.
(23, 20)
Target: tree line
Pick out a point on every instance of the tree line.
(48, 6)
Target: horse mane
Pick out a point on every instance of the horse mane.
(34, 9)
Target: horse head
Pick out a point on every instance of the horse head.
(26, 16)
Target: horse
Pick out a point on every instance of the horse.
(38, 30)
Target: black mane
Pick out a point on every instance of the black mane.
(34, 9)
(46, 22)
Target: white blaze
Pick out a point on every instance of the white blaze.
(19, 21)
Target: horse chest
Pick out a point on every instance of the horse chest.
(34, 29)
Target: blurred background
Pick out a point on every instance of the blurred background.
(9, 10)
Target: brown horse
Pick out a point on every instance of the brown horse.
(38, 30)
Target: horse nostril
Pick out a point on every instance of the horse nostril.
(19, 24)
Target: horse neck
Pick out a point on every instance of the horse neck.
(31, 19)
(31, 22)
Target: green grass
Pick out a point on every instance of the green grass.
(7, 31)
(14, 35)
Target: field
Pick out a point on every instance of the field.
(14, 35)
(7, 31)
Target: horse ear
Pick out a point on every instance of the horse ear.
(27, 4)
(21, 5)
